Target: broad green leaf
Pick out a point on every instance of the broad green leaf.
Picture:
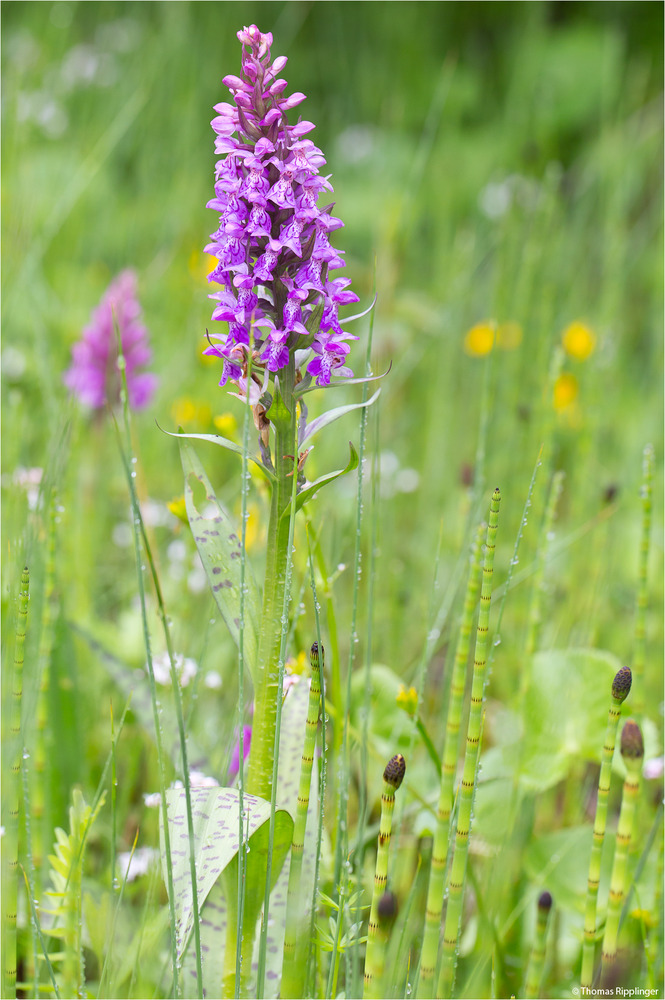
(563, 718)
(309, 492)
(219, 546)
(215, 814)
(559, 862)
(214, 914)
(331, 415)
(223, 442)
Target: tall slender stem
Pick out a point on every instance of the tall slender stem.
(534, 972)
(642, 589)
(39, 771)
(283, 416)
(457, 874)
(448, 770)
(632, 751)
(620, 689)
(10, 838)
(375, 955)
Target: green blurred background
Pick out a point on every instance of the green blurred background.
(494, 161)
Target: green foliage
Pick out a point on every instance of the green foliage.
(492, 162)
(562, 718)
(65, 898)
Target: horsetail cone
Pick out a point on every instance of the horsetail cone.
(395, 771)
(632, 746)
(379, 923)
(622, 684)
(632, 751)
(620, 689)
(387, 909)
(545, 902)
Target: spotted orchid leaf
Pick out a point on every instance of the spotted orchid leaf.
(219, 546)
(215, 814)
(215, 913)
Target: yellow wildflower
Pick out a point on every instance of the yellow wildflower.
(297, 665)
(226, 424)
(187, 411)
(201, 264)
(578, 340)
(479, 340)
(566, 391)
(255, 530)
(408, 700)
(509, 335)
(178, 508)
(207, 360)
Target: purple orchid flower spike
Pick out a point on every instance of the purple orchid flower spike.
(272, 243)
(93, 376)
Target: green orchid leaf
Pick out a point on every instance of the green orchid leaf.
(219, 547)
(229, 445)
(306, 386)
(331, 415)
(314, 487)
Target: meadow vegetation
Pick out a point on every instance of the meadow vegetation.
(498, 168)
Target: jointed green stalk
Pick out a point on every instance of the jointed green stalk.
(620, 689)
(376, 944)
(39, 770)
(535, 611)
(534, 973)
(13, 794)
(642, 591)
(294, 972)
(457, 874)
(437, 873)
(632, 751)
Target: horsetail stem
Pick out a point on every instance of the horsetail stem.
(437, 873)
(10, 838)
(457, 875)
(535, 611)
(632, 751)
(620, 690)
(375, 955)
(39, 770)
(642, 591)
(293, 973)
(534, 974)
